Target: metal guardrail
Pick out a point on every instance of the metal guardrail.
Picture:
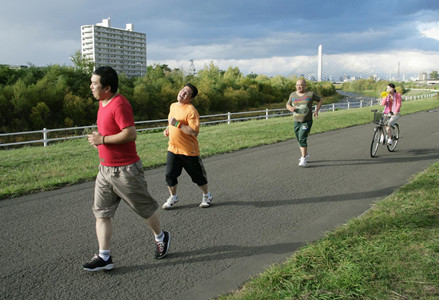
(211, 120)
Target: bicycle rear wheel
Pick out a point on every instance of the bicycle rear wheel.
(395, 137)
(375, 142)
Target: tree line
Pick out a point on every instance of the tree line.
(371, 87)
(59, 96)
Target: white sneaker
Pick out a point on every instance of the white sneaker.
(171, 201)
(207, 200)
(303, 162)
(389, 141)
(306, 157)
(382, 138)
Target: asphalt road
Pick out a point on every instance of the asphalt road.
(265, 207)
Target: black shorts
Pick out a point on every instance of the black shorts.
(193, 165)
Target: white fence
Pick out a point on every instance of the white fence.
(210, 120)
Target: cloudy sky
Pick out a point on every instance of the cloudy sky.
(271, 37)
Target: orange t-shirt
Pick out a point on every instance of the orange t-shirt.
(180, 142)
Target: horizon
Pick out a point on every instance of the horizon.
(270, 38)
(223, 65)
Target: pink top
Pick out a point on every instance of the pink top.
(392, 105)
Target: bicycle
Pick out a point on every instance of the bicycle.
(380, 133)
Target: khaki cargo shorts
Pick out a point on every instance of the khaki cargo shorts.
(124, 182)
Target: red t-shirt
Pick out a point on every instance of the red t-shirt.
(115, 116)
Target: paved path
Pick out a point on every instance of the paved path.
(265, 208)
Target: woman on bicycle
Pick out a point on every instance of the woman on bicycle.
(392, 103)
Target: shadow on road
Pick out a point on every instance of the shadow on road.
(334, 198)
(386, 158)
(209, 254)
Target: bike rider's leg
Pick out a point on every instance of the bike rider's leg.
(389, 131)
(390, 123)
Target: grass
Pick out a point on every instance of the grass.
(34, 169)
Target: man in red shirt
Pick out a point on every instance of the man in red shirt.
(120, 173)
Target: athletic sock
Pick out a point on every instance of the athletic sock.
(104, 254)
(160, 237)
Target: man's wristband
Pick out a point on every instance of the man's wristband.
(178, 124)
(103, 140)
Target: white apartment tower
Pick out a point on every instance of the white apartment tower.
(122, 49)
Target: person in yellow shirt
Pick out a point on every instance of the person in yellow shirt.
(183, 149)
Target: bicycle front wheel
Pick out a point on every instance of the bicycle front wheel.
(395, 137)
(375, 142)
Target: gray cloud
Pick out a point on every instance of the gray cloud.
(48, 31)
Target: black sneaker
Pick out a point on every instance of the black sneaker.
(162, 247)
(97, 264)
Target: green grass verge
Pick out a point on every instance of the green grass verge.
(33, 169)
(390, 252)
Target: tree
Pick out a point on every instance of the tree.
(58, 96)
(39, 115)
(8, 76)
(22, 103)
(5, 112)
(232, 77)
(82, 63)
(157, 71)
(78, 111)
(434, 75)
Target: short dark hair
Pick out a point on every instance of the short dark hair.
(392, 85)
(108, 78)
(193, 88)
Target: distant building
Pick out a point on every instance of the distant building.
(122, 49)
(15, 66)
(423, 76)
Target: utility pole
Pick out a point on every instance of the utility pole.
(319, 75)
(399, 78)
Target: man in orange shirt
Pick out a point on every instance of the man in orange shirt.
(183, 150)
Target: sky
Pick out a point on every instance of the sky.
(272, 37)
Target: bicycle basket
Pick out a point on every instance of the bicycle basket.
(377, 115)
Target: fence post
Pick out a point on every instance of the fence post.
(333, 106)
(361, 103)
(266, 114)
(45, 137)
(349, 105)
(228, 118)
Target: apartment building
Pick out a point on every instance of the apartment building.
(122, 49)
